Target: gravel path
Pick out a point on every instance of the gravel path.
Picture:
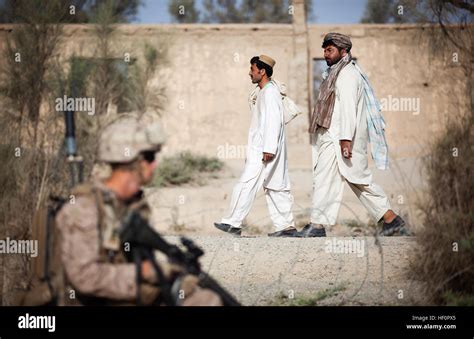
(323, 271)
(288, 271)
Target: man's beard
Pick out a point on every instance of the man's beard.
(331, 62)
(255, 81)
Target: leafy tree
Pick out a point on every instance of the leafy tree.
(73, 11)
(183, 11)
(231, 11)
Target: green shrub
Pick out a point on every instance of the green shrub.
(184, 168)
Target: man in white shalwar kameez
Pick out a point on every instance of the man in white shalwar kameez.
(345, 118)
(266, 163)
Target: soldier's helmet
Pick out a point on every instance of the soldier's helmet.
(123, 140)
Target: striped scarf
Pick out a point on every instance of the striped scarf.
(375, 124)
(324, 108)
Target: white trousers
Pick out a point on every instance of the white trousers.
(328, 186)
(279, 203)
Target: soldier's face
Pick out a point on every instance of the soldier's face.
(147, 169)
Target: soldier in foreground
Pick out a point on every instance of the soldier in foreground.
(94, 261)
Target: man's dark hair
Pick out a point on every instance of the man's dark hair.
(261, 65)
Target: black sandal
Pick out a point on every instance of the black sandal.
(395, 226)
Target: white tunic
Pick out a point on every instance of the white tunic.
(267, 134)
(349, 122)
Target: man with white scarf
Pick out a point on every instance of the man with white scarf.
(266, 163)
(346, 117)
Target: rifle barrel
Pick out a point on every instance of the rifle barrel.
(71, 147)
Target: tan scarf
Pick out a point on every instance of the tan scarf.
(324, 107)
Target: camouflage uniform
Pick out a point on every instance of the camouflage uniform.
(91, 265)
(95, 268)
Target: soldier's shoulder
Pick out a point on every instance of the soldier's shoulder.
(81, 203)
(79, 206)
(85, 189)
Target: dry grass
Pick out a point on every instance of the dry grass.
(33, 129)
(445, 251)
(308, 300)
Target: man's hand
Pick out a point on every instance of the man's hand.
(346, 148)
(149, 274)
(267, 157)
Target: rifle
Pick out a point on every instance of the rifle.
(144, 240)
(75, 161)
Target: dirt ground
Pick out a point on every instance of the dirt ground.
(288, 271)
(292, 271)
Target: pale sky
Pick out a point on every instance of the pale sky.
(324, 11)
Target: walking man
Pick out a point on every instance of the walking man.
(346, 117)
(266, 162)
